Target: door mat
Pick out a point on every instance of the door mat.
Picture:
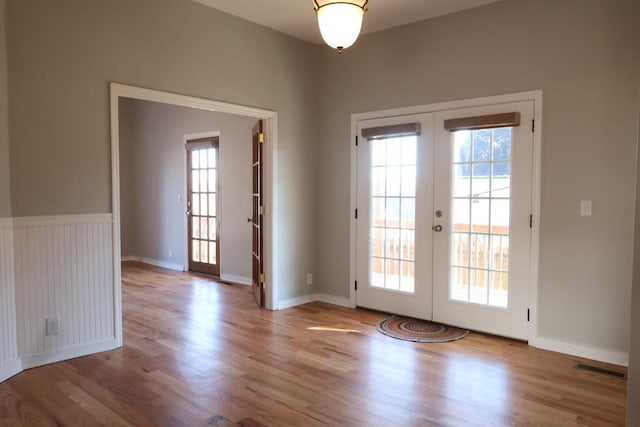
(407, 329)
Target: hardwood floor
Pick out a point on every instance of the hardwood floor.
(199, 353)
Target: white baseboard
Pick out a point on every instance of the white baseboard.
(332, 299)
(10, 369)
(329, 299)
(163, 264)
(608, 356)
(231, 278)
(68, 353)
(157, 263)
(292, 302)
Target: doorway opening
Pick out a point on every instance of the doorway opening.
(119, 91)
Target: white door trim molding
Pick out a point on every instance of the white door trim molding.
(536, 97)
(118, 90)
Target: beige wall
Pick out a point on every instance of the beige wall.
(5, 194)
(152, 182)
(584, 55)
(633, 384)
(62, 55)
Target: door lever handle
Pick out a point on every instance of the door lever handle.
(249, 219)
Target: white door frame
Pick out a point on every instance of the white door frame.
(536, 97)
(117, 91)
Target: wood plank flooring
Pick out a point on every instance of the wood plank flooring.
(199, 353)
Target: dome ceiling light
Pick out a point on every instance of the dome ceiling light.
(340, 21)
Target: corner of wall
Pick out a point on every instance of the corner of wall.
(633, 384)
(10, 364)
(5, 181)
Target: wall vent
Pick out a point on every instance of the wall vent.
(602, 371)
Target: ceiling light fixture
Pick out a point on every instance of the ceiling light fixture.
(340, 21)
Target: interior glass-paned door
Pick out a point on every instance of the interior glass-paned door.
(203, 218)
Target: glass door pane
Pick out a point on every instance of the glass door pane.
(393, 213)
(479, 242)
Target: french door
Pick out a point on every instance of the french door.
(395, 208)
(202, 212)
(484, 161)
(462, 255)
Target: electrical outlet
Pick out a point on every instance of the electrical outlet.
(52, 326)
(309, 279)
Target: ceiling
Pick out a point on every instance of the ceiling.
(297, 18)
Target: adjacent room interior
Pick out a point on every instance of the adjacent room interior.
(153, 180)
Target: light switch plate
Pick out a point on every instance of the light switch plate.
(586, 208)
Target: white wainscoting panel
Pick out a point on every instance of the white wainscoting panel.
(64, 269)
(9, 362)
